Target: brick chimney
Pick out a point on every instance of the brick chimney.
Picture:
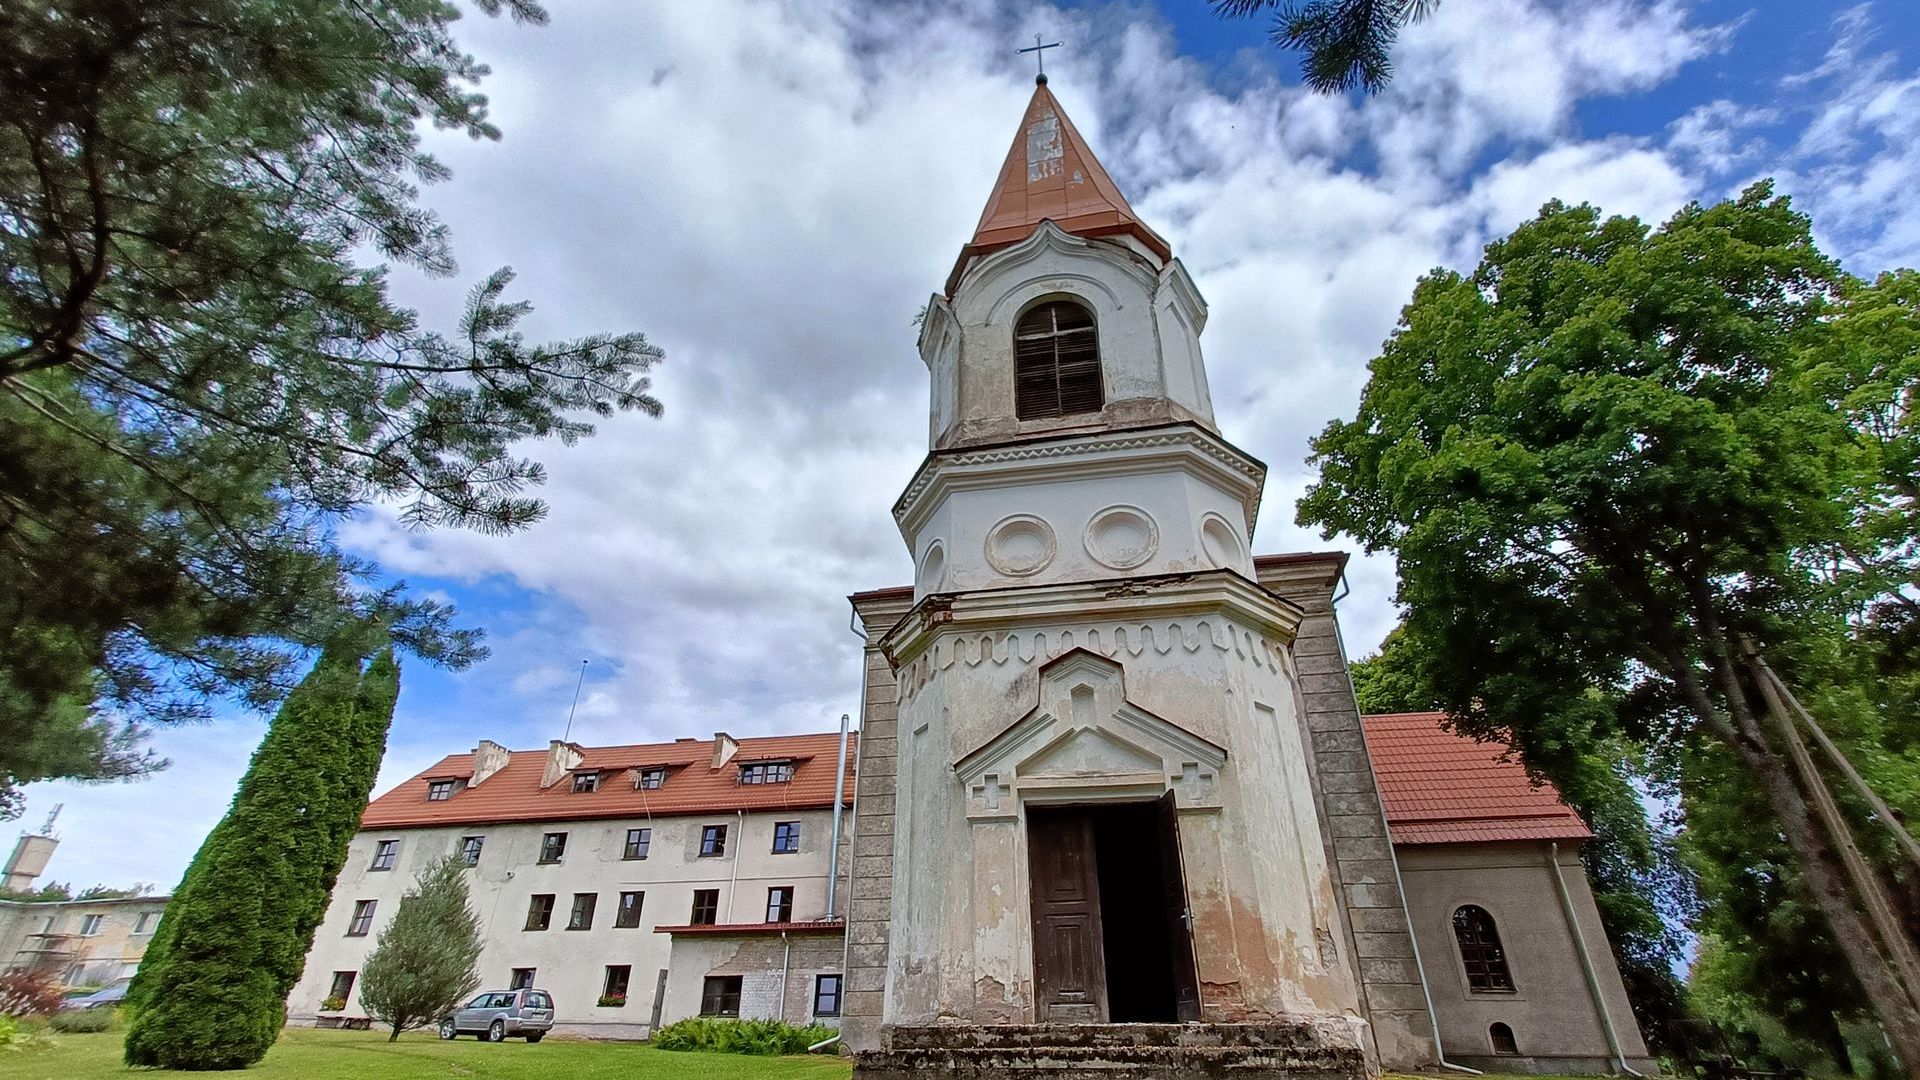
(724, 747)
(488, 758)
(561, 759)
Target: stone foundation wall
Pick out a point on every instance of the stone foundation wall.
(870, 862)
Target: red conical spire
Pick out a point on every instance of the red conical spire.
(1051, 175)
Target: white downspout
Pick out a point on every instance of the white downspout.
(846, 925)
(1586, 963)
(733, 875)
(1393, 857)
(839, 807)
(786, 960)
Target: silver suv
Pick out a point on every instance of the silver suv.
(496, 1014)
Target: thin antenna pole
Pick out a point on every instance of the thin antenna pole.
(576, 700)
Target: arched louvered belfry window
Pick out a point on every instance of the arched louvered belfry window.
(1056, 362)
(1480, 950)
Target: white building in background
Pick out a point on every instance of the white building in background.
(597, 871)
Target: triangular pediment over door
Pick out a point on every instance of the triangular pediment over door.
(1084, 741)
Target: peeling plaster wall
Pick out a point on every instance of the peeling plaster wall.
(1267, 925)
(759, 960)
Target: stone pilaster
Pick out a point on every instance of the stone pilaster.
(870, 870)
(1379, 939)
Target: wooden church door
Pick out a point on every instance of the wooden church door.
(1173, 884)
(1069, 956)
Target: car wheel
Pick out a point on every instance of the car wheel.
(535, 1036)
(447, 1030)
(497, 1032)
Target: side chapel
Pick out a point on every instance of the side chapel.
(1115, 802)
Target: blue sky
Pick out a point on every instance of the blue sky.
(770, 191)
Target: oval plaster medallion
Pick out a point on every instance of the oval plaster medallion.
(933, 568)
(1122, 537)
(1020, 545)
(1221, 543)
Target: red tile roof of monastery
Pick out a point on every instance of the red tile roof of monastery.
(1443, 788)
(692, 785)
(1051, 175)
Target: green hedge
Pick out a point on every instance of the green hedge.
(739, 1036)
(81, 1021)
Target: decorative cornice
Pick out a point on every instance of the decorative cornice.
(1124, 452)
(1131, 607)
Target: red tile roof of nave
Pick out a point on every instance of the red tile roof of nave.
(1051, 175)
(692, 786)
(1443, 788)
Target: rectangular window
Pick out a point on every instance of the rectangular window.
(786, 837)
(142, 925)
(618, 975)
(90, 925)
(713, 841)
(540, 911)
(767, 772)
(720, 996)
(342, 986)
(585, 782)
(439, 790)
(522, 979)
(582, 916)
(780, 903)
(628, 917)
(650, 779)
(552, 846)
(385, 854)
(826, 995)
(638, 841)
(470, 849)
(706, 907)
(362, 920)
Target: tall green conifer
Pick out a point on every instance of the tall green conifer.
(211, 992)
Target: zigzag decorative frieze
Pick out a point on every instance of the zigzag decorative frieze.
(1026, 647)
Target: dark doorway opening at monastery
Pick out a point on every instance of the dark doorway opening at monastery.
(1111, 942)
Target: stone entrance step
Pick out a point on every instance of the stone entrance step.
(1308, 1049)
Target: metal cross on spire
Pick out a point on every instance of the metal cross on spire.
(1039, 54)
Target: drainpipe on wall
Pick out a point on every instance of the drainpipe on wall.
(846, 934)
(733, 875)
(786, 963)
(1393, 857)
(839, 805)
(1586, 963)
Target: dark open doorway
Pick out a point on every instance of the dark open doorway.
(1111, 940)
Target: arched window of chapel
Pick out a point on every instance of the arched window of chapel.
(1480, 951)
(1056, 365)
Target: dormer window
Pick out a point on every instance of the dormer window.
(1056, 362)
(585, 782)
(650, 779)
(767, 772)
(439, 790)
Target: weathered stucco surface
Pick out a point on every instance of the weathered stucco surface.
(776, 975)
(1551, 1010)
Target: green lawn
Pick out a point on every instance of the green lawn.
(307, 1054)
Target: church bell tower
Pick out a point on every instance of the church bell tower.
(1102, 810)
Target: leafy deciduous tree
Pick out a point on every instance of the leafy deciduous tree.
(1599, 466)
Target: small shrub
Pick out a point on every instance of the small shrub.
(30, 993)
(16, 1036)
(81, 1021)
(333, 1004)
(612, 1001)
(721, 1035)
